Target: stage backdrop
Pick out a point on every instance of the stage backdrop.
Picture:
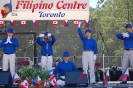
(44, 9)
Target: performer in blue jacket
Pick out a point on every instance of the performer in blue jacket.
(64, 66)
(46, 50)
(89, 53)
(127, 37)
(9, 44)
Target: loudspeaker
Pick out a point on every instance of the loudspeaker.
(72, 77)
(5, 79)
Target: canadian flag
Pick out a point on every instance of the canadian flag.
(23, 22)
(1, 22)
(52, 81)
(25, 83)
(55, 22)
(76, 22)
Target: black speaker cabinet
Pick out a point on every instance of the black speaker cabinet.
(72, 77)
(5, 79)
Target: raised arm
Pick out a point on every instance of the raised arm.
(39, 41)
(53, 39)
(119, 36)
(81, 34)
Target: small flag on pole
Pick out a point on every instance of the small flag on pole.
(34, 23)
(83, 75)
(106, 78)
(12, 23)
(66, 23)
(124, 75)
(23, 22)
(15, 78)
(25, 83)
(37, 81)
(52, 80)
(87, 23)
(76, 22)
(1, 22)
(55, 22)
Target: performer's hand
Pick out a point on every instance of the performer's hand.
(10, 41)
(7, 40)
(125, 35)
(95, 57)
(79, 24)
(49, 34)
(41, 35)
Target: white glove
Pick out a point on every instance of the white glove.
(95, 57)
(7, 40)
(49, 34)
(125, 35)
(41, 35)
(79, 24)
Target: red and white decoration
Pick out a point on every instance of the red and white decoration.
(23, 22)
(1, 22)
(76, 22)
(55, 22)
(25, 83)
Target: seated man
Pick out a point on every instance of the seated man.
(64, 66)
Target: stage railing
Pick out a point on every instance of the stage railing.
(109, 60)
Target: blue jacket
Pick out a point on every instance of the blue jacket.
(9, 48)
(62, 67)
(43, 45)
(88, 44)
(128, 42)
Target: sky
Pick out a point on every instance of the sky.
(93, 3)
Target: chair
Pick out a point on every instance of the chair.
(23, 63)
(97, 64)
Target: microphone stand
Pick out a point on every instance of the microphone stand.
(103, 54)
(75, 55)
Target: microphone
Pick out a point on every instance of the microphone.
(59, 57)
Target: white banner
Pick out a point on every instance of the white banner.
(44, 10)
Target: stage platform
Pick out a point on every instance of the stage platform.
(113, 84)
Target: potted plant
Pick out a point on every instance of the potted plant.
(31, 72)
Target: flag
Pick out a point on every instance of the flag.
(87, 23)
(34, 23)
(125, 74)
(12, 23)
(25, 83)
(1, 22)
(66, 23)
(106, 78)
(55, 22)
(83, 75)
(76, 22)
(37, 81)
(52, 80)
(23, 22)
(15, 78)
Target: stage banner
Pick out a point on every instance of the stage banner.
(44, 9)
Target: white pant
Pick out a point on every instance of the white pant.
(88, 59)
(9, 59)
(46, 62)
(61, 82)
